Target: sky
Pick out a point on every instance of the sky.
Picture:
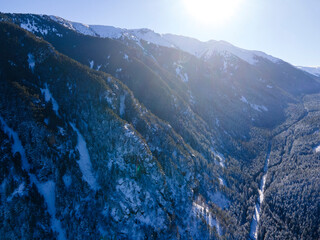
(287, 29)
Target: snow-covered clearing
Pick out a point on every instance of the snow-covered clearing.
(84, 161)
(48, 97)
(31, 61)
(47, 190)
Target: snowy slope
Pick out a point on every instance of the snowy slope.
(193, 46)
(207, 49)
(114, 32)
(312, 70)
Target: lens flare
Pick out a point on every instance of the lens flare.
(211, 11)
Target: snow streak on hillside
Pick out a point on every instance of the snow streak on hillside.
(84, 161)
(256, 218)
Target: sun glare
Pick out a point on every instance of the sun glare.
(213, 12)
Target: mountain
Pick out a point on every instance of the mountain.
(190, 45)
(70, 116)
(132, 134)
(312, 70)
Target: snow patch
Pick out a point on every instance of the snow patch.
(84, 161)
(220, 157)
(47, 190)
(122, 105)
(256, 107)
(129, 131)
(31, 61)
(259, 108)
(184, 77)
(30, 26)
(48, 97)
(217, 122)
(17, 145)
(243, 99)
(18, 191)
(125, 57)
(222, 181)
(91, 64)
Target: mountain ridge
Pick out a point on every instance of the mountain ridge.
(198, 48)
(312, 70)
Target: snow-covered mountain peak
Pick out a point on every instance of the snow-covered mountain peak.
(222, 47)
(207, 49)
(151, 36)
(191, 45)
(107, 31)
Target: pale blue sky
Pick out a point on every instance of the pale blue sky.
(288, 29)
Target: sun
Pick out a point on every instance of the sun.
(211, 12)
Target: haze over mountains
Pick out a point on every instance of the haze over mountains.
(114, 133)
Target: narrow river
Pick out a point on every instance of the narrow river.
(256, 218)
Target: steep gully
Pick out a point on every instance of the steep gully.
(256, 218)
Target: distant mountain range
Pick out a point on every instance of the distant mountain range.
(312, 70)
(193, 46)
(109, 133)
